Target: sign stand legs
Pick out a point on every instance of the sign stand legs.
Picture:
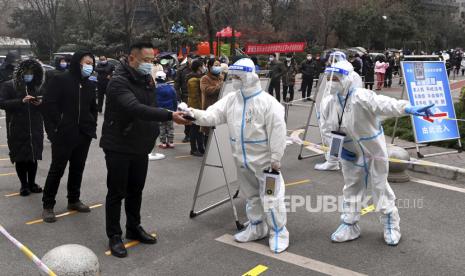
(230, 198)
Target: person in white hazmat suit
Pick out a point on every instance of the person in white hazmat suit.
(258, 138)
(330, 164)
(357, 113)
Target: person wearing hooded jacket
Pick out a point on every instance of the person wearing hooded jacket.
(8, 67)
(20, 98)
(70, 111)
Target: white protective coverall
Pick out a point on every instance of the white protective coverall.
(258, 138)
(365, 138)
(324, 91)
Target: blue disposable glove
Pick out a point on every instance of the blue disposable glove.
(420, 110)
(93, 78)
(348, 155)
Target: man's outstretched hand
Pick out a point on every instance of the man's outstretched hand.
(179, 119)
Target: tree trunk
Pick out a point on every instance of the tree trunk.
(209, 27)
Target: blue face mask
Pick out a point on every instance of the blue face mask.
(87, 70)
(63, 65)
(145, 68)
(216, 70)
(28, 78)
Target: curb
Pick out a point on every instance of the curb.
(443, 171)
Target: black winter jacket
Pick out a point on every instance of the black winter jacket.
(131, 116)
(25, 131)
(104, 71)
(308, 69)
(69, 106)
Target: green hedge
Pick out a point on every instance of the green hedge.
(405, 132)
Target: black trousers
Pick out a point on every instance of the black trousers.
(187, 131)
(76, 155)
(369, 85)
(307, 84)
(290, 89)
(275, 87)
(101, 96)
(388, 80)
(126, 174)
(26, 172)
(197, 139)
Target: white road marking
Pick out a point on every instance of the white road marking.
(288, 257)
(437, 185)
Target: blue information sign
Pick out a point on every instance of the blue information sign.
(427, 83)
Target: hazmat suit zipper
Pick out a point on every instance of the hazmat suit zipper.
(79, 104)
(30, 127)
(244, 157)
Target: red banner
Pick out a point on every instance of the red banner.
(287, 47)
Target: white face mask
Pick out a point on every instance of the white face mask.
(237, 84)
(309, 57)
(336, 87)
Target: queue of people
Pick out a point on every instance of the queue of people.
(136, 103)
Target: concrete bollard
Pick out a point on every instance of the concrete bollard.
(397, 171)
(72, 260)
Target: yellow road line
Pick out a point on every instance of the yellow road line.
(7, 174)
(130, 244)
(368, 209)
(182, 143)
(13, 194)
(259, 269)
(298, 182)
(62, 215)
(3, 146)
(4, 159)
(184, 156)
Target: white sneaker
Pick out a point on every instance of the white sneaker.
(327, 166)
(156, 156)
(346, 232)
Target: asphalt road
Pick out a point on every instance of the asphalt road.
(432, 225)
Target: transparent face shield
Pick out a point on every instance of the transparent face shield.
(326, 81)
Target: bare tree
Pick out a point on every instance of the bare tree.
(48, 10)
(87, 9)
(165, 10)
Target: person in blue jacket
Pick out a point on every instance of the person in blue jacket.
(166, 98)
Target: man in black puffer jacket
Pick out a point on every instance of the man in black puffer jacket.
(70, 112)
(130, 128)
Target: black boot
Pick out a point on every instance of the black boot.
(117, 248)
(139, 234)
(24, 192)
(35, 189)
(78, 206)
(49, 216)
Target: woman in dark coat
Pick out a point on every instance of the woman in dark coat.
(368, 71)
(20, 98)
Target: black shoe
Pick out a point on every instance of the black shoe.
(24, 192)
(35, 189)
(78, 206)
(139, 234)
(48, 216)
(117, 248)
(186, 140)
(196, 153)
